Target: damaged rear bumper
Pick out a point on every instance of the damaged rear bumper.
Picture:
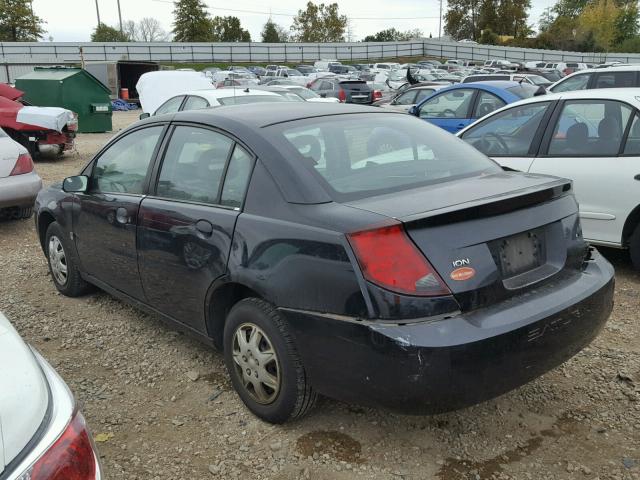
(442, 365)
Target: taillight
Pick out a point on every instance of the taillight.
(71, 457)
(24, 164)
(389, 258)
(377, 94)
(342, 95)
(309, 84)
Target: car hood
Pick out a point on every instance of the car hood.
(24, 394)
(454, 195)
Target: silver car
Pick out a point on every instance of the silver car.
(43, 434)
(19, 182)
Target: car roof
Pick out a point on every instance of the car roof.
(226, 92)
(620, 68)
(492, 84)
(264, 114)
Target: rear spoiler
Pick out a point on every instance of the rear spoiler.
(491, 206)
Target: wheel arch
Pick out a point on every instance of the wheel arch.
(633, 219)
(45, 218)
(221, 298)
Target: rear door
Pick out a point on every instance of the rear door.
(187, 222)
(449, 110)
(512, 137)
(105, 220)
(585, 142)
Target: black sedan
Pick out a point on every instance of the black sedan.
(338, 250)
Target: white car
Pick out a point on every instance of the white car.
(198, 99)
(611, 77)
(309, 95)
(19, 182)
(43, 434)
(323, 65)
(591, 137)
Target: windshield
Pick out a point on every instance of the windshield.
(244, 99)
(377, 153)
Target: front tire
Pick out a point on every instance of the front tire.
(263, 363)
(62, 265)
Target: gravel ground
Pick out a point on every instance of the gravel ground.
(161, 407)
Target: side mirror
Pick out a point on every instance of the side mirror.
(323, 95)
(414, 111)
(75, 184)
(144, 115)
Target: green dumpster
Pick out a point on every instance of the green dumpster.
(72, 88)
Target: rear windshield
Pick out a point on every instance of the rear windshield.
(243, 99)
(354, 85)
(360, 155)
(524, 90)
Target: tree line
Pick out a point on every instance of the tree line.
(576, 25)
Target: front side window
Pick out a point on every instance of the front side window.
(452, 104)
(577, 82)
(589, 128)
(170, 106)
(509, 133)
(486, 104)
(193, 165)
(371, 154)
(122, 168)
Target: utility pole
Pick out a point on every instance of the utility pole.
(120, 16)
(98, 12)
(439, 22)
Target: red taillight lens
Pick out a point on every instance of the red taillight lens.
(377, 94)
(24, 164)
(390, 259)
(71, 457)
(342, 95)
(309, 84)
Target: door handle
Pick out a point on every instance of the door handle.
(122, 216)
(637, 177)
(204, 227)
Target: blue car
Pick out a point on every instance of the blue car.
(457, 106)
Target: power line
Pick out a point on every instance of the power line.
(257, 12)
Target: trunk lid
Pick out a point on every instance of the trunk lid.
(492, 236)
(357, 91)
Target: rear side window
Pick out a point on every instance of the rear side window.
(170, 106)
(237, 177)
(509, 133)
(193, 165)
(370, 154)
(195, 103)
(589, 128)
(577, 82)
(486, 104)
(122, 168)
(615, 80)
(633, 141)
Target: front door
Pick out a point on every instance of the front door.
(186, 226)
(104, 225)
(449, 110)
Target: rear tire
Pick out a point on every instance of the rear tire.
(266, 370)
(62, 265)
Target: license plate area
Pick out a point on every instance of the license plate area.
(520, 253)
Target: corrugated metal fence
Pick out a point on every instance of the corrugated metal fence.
(16, 57)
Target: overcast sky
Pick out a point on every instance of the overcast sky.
(73, 20)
